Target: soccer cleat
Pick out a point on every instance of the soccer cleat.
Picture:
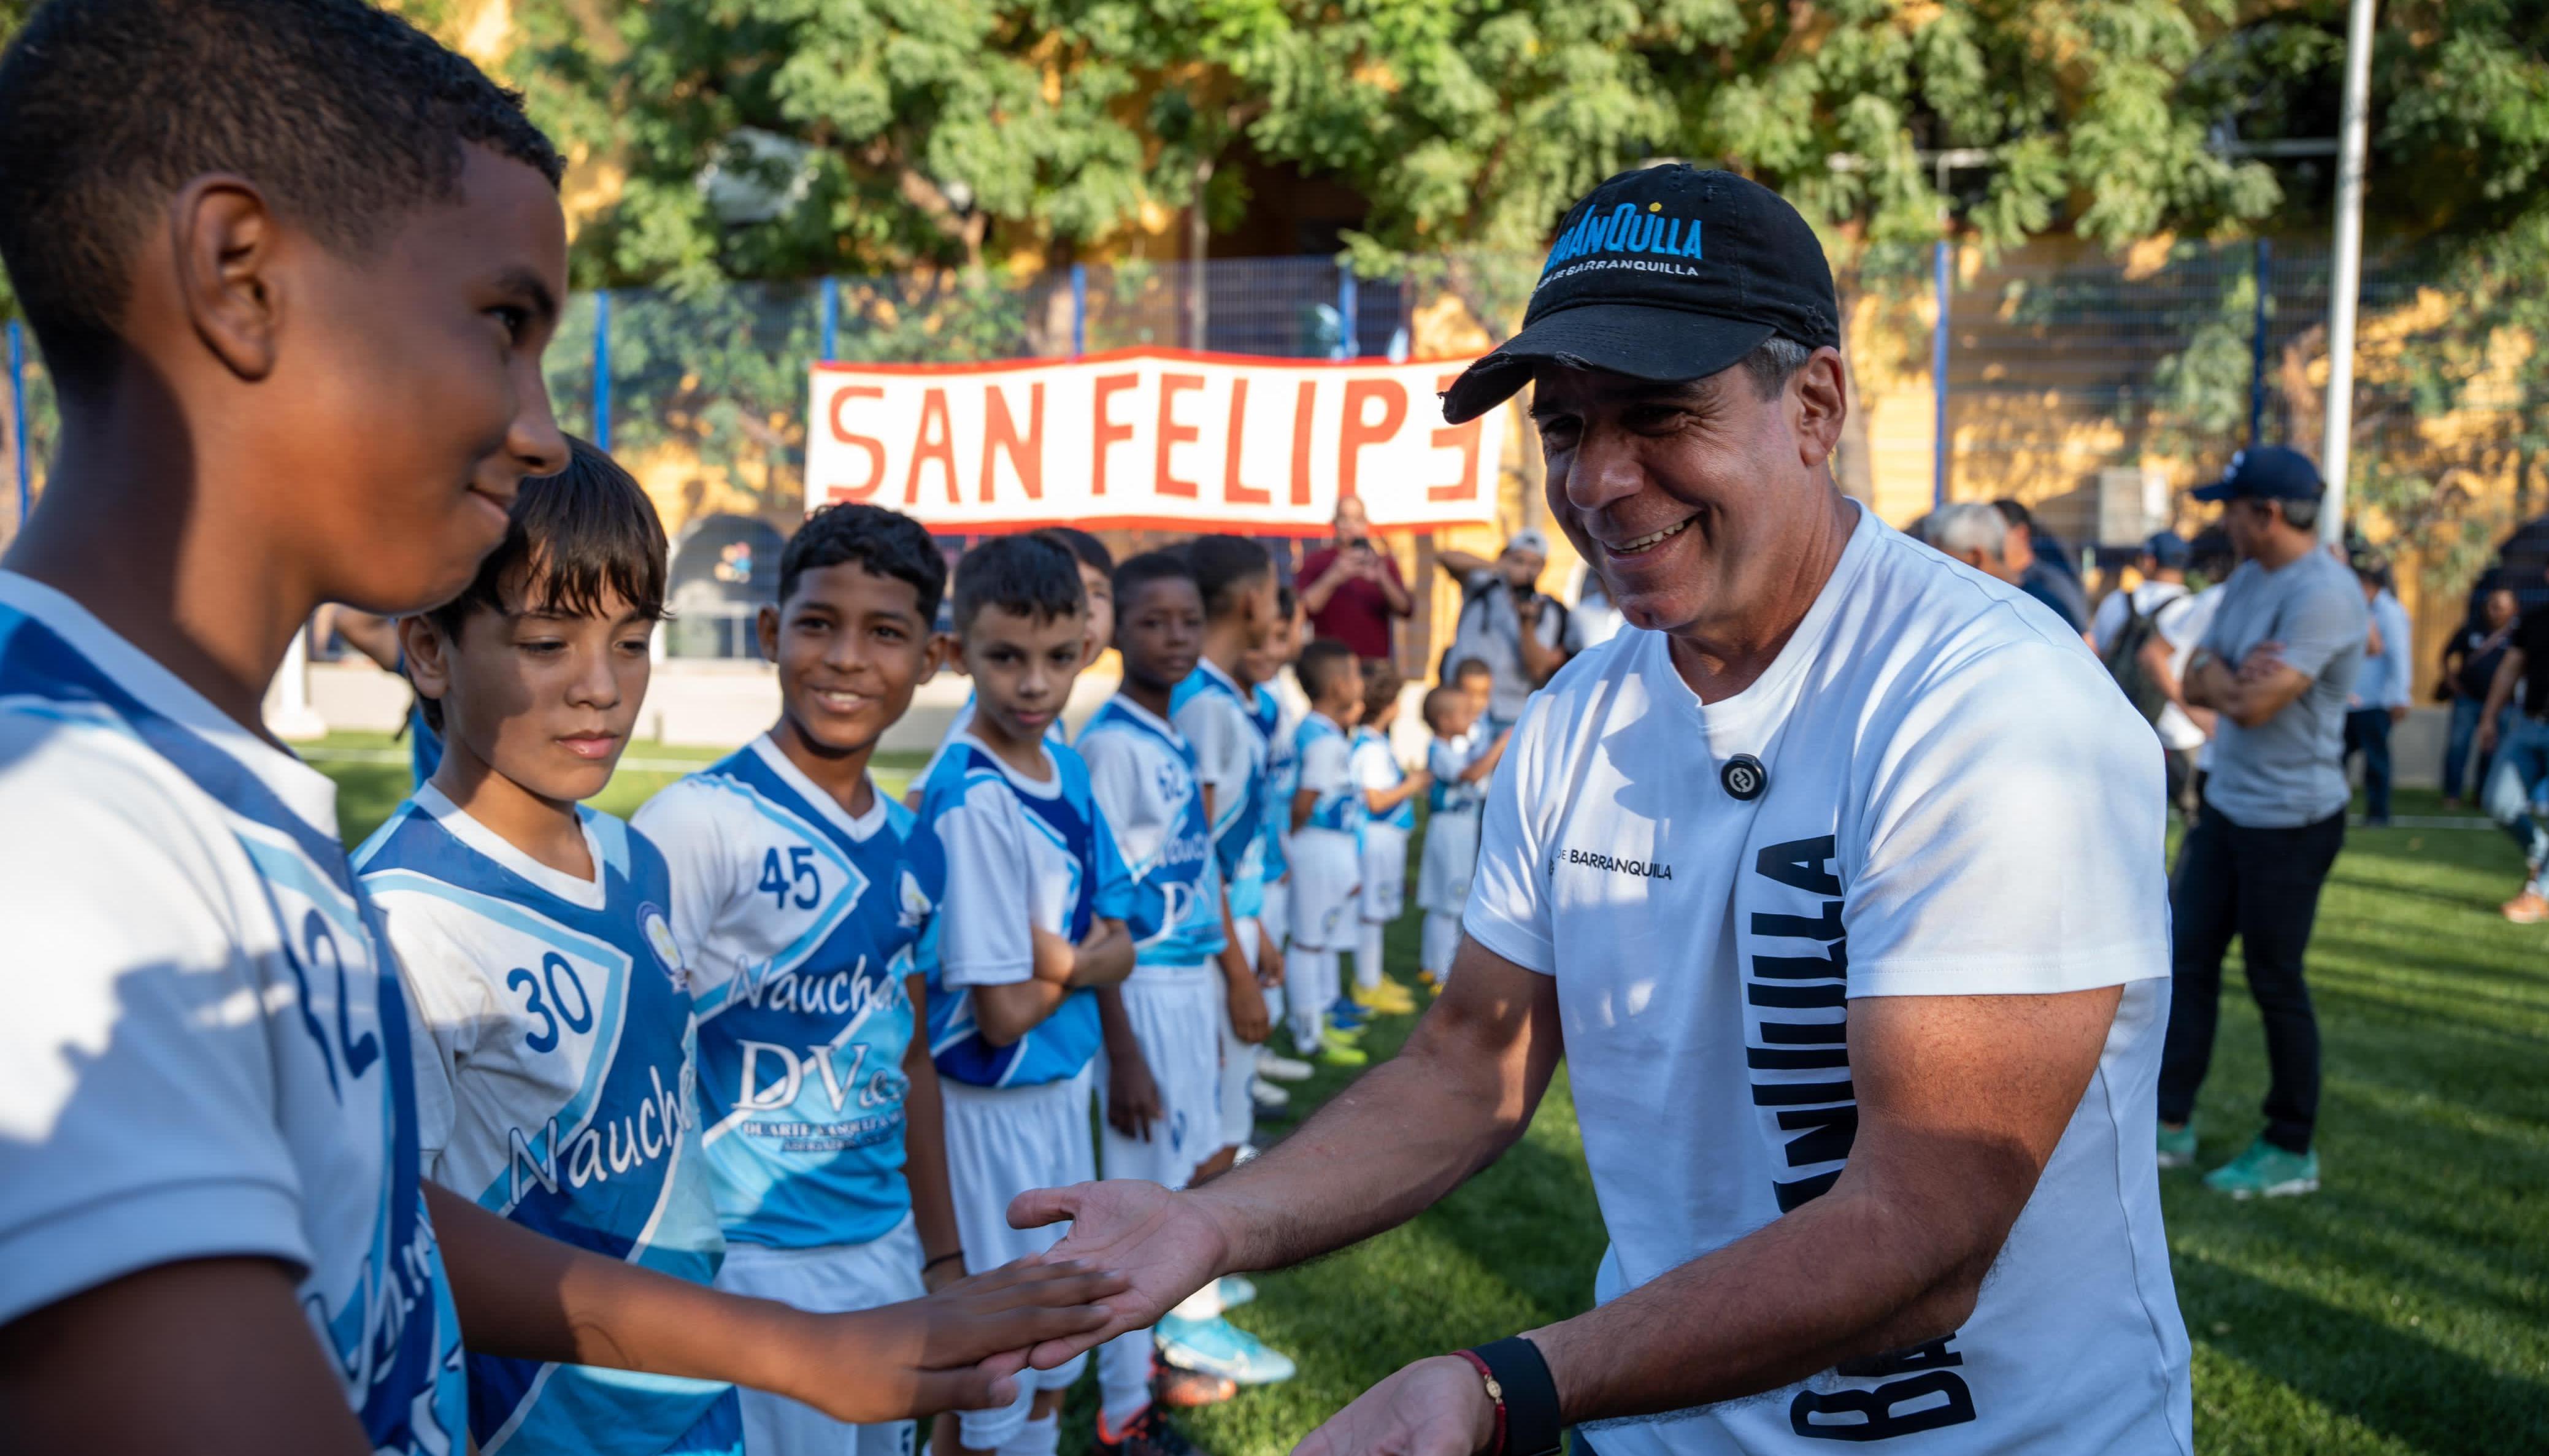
(1268, 1096)
(1342, 1052)
(1146, 1435)
(1280, 1068)
(2526, 908)
(2264, 1170)
(1429, 980)
(1238, 1288)
(1184, 1389)
(1343, 1011)
(1216, 1346)
(2177, 1145)
(1389, 998)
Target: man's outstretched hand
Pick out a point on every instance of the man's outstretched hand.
(1164, 1244)
(1434, 1407)
(958, 1349)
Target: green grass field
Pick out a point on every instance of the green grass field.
(2404, 1309)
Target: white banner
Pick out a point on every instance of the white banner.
(1151, 438)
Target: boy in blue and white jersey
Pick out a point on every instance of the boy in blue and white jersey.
(1458, 760)
(1162, 1025)
(1213, 709)
(799, 895)
(1275, 720)
(1098, 589)
(1327, 816)
(555, 1073)
(1027, 927)
(1389, 817)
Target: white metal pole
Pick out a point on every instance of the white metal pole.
(2353, 141)
(289, 713)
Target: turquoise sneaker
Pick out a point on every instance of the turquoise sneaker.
(1237, 1289)
(1218, 1347)
(2177, 1145)
(2265, 1171)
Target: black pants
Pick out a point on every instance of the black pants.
(2367, 732)
(2261, 885)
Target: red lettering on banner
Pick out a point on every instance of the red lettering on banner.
(874, 448)
(1354, 433)
(1232, 489)
(1173, 434)
(1000, 433)
(924, 449)
(1303, 401)
(1106, 431)
(1464, 438)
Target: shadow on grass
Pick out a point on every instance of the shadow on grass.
(2392, 1380)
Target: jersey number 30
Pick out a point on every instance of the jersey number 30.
(798, 875)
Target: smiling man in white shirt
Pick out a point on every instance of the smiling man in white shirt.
(1839, 888)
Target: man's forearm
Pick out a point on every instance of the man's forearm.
(1842, 1278)
(1404, 1135)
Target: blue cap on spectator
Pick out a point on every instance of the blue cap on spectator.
(2266, 473)
(2168, 551)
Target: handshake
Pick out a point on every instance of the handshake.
(958, 1348)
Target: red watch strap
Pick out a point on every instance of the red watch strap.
(1496, 1442)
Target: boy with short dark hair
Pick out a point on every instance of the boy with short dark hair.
(531, 938)
(1473, 676)
(799, 892)
(1327, 815)
(1389, 818)
(1030, 924)
(1162, 1025)
(1096, 578)
(293, 266)
(1274, 723)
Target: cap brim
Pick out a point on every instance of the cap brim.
(1640, 341)
(2218, 491)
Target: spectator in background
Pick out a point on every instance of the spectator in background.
(2177, 624)
(2470, 661)
(2521, 757)
(2277, 665)
(1594, 619)
(1520, 633)
(1973, 533)
(1351, 588)
(2379, 698)
(2044, 568)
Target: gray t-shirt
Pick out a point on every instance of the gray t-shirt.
(2289, 769)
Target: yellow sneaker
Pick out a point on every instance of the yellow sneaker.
(1389, 998)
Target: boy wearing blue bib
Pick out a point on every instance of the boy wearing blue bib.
(554, 1072)
(1097, 588)
(800, 894)
(1027, 928)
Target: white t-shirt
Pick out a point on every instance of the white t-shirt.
(1958, 803)
(206, 1052)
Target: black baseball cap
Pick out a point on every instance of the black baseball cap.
(1665, 273)
(2265, 473)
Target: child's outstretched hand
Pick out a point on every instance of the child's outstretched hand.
(1132, 1097)
(959, 1349)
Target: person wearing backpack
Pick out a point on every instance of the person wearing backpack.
(1522, 634)
(2144, 636)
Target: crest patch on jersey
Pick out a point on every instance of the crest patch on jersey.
(659, 939)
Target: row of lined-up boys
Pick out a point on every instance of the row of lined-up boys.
(790, 1037)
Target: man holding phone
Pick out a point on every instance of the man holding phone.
(1351, 588)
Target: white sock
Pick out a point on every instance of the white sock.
(1038, 1438)
(1124, 1377)
(1314, 972)
(1203, 1304)
(1368, 956)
